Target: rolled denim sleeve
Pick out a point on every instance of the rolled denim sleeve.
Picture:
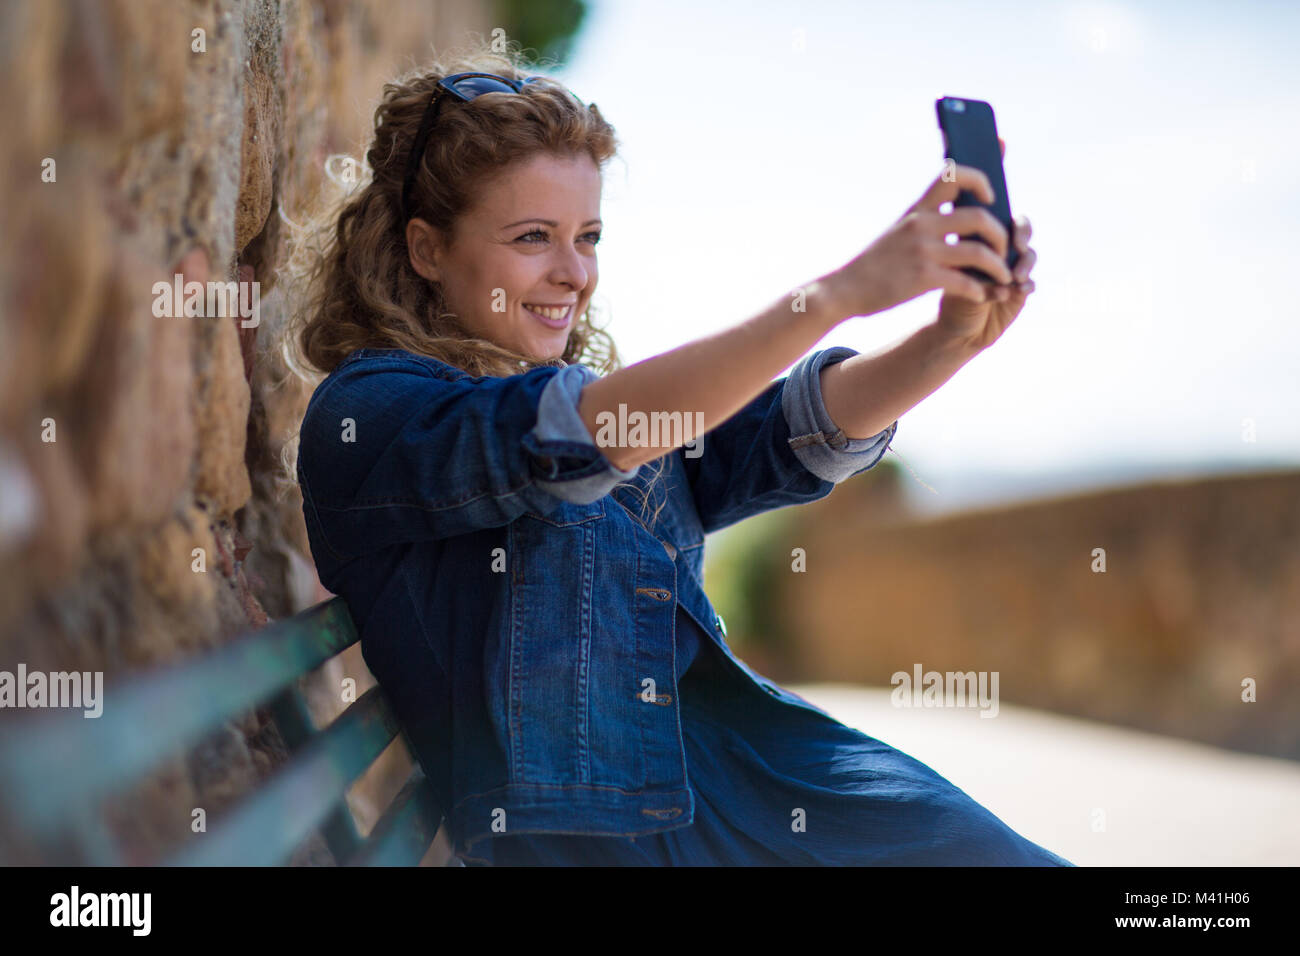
(819, 444)
(559, 427)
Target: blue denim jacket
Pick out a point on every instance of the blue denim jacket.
(514, 605)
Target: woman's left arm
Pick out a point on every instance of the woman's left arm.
(864, 394)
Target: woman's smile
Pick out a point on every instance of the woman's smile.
(552, 316)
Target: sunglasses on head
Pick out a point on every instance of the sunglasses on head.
(465, 87)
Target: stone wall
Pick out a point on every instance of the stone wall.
(134, 148)
(1200, 591)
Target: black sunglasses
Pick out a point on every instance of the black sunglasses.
(463, 86)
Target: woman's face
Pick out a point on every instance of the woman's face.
(529, 243)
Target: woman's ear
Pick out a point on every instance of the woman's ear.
(423, 244)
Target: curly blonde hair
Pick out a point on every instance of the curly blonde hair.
(350, 270)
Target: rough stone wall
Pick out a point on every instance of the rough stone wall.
(128, 440)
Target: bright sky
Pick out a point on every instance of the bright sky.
(1151, 144)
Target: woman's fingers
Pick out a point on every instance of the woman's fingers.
(1024, 229)
(963, 177)
(972, 253)
(1027, 259)
(970, 220)
(956, 282)
(1028, 256)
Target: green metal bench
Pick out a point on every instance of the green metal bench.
(57, 772)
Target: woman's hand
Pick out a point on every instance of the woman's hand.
(913, 257)
(980, 322)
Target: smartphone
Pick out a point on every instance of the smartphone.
(970, 138)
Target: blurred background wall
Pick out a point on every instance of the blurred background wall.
(1200, 591)
(127, 440)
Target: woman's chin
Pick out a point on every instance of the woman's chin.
(544, 351)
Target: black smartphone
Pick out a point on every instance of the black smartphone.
(970, 138)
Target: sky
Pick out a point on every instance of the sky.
(766, 143)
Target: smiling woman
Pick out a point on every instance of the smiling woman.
(542, 631)
(502, 212)
(520, 280)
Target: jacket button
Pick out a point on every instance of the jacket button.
(672, 551)
(719, 624)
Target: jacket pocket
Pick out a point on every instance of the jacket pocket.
(545, 684)
(568, 514)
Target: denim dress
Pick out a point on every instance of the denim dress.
(775, 785)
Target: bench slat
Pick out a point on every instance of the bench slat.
(297, 726)
(268, 825)
(58, 764)
(405, 831)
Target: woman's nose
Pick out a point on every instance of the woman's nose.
(570, 270)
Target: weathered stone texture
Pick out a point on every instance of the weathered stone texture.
(167, 430)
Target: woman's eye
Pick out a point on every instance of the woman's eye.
(592, 237)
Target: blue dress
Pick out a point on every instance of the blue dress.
(779, 785)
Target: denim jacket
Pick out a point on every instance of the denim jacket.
(513, 604)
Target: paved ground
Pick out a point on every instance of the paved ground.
(1097, 794)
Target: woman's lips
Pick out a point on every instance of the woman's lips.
(555, 317)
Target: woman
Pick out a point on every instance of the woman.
(529, 595)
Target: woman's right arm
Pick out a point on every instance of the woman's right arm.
(711, 378)
(399, 448)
